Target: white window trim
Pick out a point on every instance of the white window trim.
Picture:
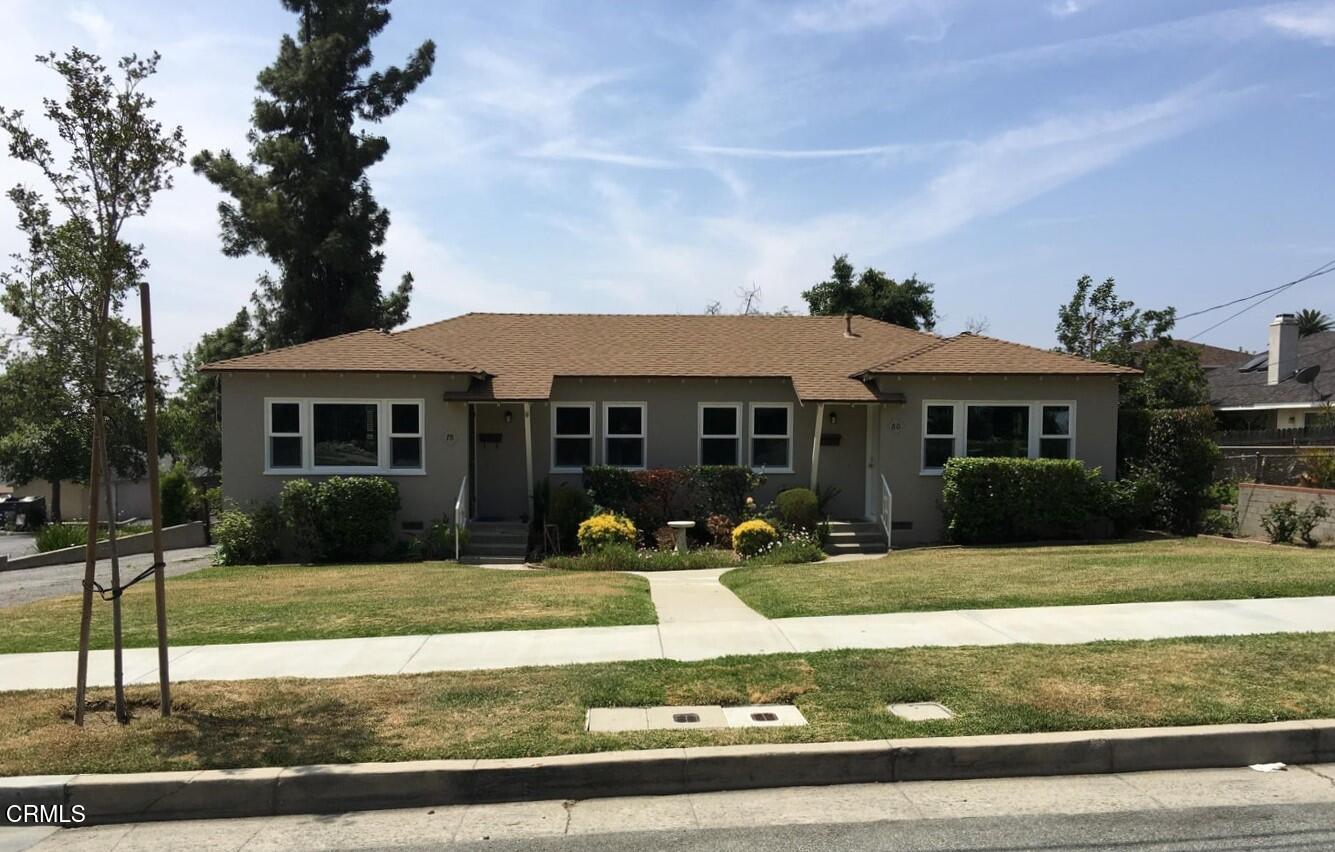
(751, 436)
(387, 416)
(1070, 426)
(953, 436)
(961, 424)
(269, 434)
(593, 428)
(700, 435)
(643, 434)
(307, 415)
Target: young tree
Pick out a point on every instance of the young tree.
(68, 288)
(874, 294)
(1312, 321)
(1097, 324)
(303, 200)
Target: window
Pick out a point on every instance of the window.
(1054, 441)
(938, 443)
(623, 434)
(405, 435)
(346, 434)
(721, 433)
(997, 430)
(772, 436)
(284, 435)
(572, 436)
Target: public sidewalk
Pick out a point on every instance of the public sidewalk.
(699, 619)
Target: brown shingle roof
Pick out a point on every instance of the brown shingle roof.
(358, 351)
(1211, 356)
(523, 353)
(977, 353)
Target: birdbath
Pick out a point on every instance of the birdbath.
(679, 529)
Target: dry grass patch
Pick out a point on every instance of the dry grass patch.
(986, 577)
(248, 604)
(539, 711)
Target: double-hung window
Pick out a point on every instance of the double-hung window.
(623, 434)
(345, 436)
(283, 435)
(1054, 442)
(772, 436)
(572, 436)
(720, 433)
(996, 429)
(405, 435)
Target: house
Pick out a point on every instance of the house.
(1211, 357)
(478, 408)
(1289, 386)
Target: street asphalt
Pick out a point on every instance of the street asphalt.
(53, 581)
(1215, 809)
(17, 544)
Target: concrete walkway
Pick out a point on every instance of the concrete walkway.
(722, 629)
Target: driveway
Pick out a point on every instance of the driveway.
(17, 544)
(53, 581)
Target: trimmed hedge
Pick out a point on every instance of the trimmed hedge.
(994, 500)
(798, 509)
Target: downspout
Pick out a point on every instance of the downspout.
(815, 444)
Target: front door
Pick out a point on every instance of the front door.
(498, 462)
(843, 460)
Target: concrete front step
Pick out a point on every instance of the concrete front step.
(855, 537)
(485, 559)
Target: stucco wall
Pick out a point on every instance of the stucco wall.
(917, 495)
(445, 430)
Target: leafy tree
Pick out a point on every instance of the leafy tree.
(1312, 321)
(1097, 324)
(908, 303)
(192, 419)
(68, 288)
(1173, 378)
(303, 201)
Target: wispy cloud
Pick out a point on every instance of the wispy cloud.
(846, 16)
(573, 148)
(1311, 22)
(888, 151)
(1067, 8)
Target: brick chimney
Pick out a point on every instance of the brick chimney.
(1282, 358)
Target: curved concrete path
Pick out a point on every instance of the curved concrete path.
(699, 619)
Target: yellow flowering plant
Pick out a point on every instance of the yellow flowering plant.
(601, 530)
(750, 537)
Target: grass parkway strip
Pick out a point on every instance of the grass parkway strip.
(540, 711)
(1190, 569)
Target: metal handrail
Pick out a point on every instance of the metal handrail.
(887, 506)
(460, 516)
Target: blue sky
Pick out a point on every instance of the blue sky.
(633, 157)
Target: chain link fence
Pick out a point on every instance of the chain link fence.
(1268, 465)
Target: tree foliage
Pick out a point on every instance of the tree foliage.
(873, 294)
(1097, 324)
(192, 419)
(1313, 321)
(1173, 378)
(303, 200)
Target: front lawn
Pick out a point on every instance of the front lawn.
(986, 577)
(248, 604)
(539, 711)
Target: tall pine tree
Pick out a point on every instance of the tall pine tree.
(303, 200)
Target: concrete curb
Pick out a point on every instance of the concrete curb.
(222, 793)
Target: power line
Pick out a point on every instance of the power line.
(1268, 294)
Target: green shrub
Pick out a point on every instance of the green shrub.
(1128, 503)
(794, 549)
(798, 509)
(61, 536)
(651, 498)
(1280, 522)
(751, 537)
(245, 539)
(992, 500)
(438, 541)
(1308, 518)
(613, 488)
(177, 496)
(342, 519)
(605, 529)
(623, 557)
(566, 509)
(1176, 448)
(723, 488)
(1318, 468)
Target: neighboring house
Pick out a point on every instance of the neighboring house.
(506, 400)
(131, 498)
(1211, 357)
(1289, 386)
